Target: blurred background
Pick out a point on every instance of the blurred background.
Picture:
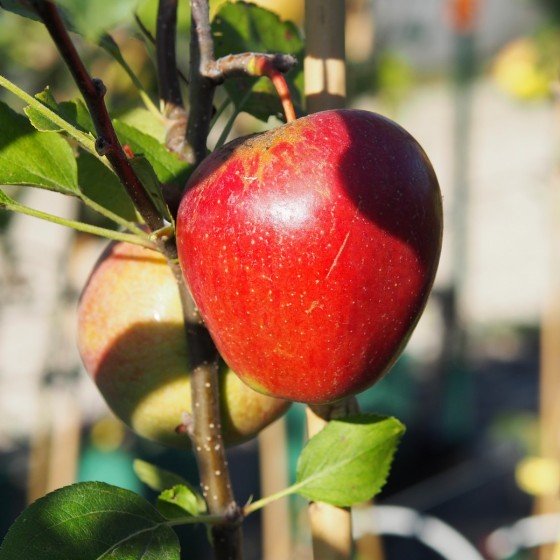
(478, 473)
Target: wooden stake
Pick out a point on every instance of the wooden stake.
(550, 355)
(325, 88)
(331, 527)
(324, 64)
(276, 535)
(56, 445)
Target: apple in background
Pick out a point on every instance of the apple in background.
(310, 251)
(132, 342)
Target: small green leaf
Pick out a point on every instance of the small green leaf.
(101, 185)
(73, 112)
(156, 478)
(168, 167)
(84, 139)
(240, 27)
(29, 157)
(89, 521)
(145, 172)
(37, 119)
(179, 501)
(349, 460)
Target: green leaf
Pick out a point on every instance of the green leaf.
(179, 501)
(241, 27)
(101, 185)
(90, 521)
(29, 157)
(76, 113)
(24, 8)
(349, 460)
(145, 172)
(156, 478)
(73, 112)
(37, 119)
(146, 122)
(92, 18)
(20, 7)
(85, 140)
(167, 166)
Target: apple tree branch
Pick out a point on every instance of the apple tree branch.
(93, 91)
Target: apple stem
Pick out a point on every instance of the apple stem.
(264, 66)
(93, 91)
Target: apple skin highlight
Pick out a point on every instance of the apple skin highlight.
(132, 342)
(310, 251)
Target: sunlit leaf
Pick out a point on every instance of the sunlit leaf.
(146, 122)
(349, 460)
(167, 166)
(29, 157)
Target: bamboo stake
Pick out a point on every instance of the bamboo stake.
(331, 527)
(325, 88)
(324, 64)
(273, 458)
(55, 447)
(550, 356)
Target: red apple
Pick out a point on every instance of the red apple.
(132, 342)
(310, 251)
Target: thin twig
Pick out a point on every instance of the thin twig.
(146, 32)
(168, 78)
(169, 88)
(244, 64)
(93, 91)
(201, 90)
